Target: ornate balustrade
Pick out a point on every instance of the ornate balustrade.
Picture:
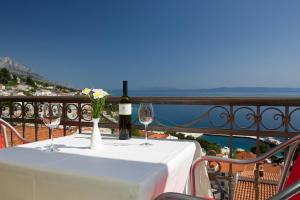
(246, 116)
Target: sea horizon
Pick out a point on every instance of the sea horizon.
(213, 92)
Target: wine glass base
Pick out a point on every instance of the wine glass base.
(146, 144)
(52, 149)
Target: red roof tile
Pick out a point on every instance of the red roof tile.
(245, 190)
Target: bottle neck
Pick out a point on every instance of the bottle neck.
(125, 89)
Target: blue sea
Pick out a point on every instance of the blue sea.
(173, 115)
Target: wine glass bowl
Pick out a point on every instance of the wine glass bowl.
(146, 116)
(51, 122)
(51, 115)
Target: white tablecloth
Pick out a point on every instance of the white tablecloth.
(120, 170)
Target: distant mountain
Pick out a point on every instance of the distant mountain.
(222, 89)
(19, 69)
(249, 89)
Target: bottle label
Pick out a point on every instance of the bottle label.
(125, 109)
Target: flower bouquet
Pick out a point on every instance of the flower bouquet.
(97, 98)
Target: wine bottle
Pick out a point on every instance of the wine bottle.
(125, 114)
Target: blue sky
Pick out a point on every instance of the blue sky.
(155, 43)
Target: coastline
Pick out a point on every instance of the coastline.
(267, 140)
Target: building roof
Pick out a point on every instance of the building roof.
(243, 155)
(159, 136)
(245, 187)
(245, 190)
(274, 177)
(153, 135)
(235, 168)
(43, 133)
(272, 168)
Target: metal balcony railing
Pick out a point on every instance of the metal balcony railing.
(246, 116)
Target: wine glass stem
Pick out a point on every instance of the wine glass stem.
(146, 134)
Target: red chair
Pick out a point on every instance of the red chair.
(294, 177)
(3, 134)
(288, 193)
(291, 181)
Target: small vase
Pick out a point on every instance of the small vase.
(96, 141)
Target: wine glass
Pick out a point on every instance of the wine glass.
(146, 116)
(51, 114)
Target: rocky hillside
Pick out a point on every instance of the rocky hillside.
(18, 80)
(19, 69)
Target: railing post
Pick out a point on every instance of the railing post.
(36, 115)
(230, 175)
(289, 152)
(79, 117)
(256, 171)
(64, 117)
(23, 117)
(286, 121)
(11, 117)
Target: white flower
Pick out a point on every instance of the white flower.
(99, 93)
(105, 93)
(95, 90)
(86, 91)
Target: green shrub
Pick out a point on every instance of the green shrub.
(209, 145)
(190, 137)
(135, 132)
(4, 76)
(263, 148)
(170, 132)
(30, 82)
(180, 136)
(12, 83)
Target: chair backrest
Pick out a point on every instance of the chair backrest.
(291, 192)
(2, 145)
(4, 135)
(291, 143)
(294, 176)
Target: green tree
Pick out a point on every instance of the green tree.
(263, 148)
(4, 76)
(5, 73)
(180, 136)
(30, 82)
(209, 145)
(14, 78)
(190, 137)
(3, 80)
(170, 132)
